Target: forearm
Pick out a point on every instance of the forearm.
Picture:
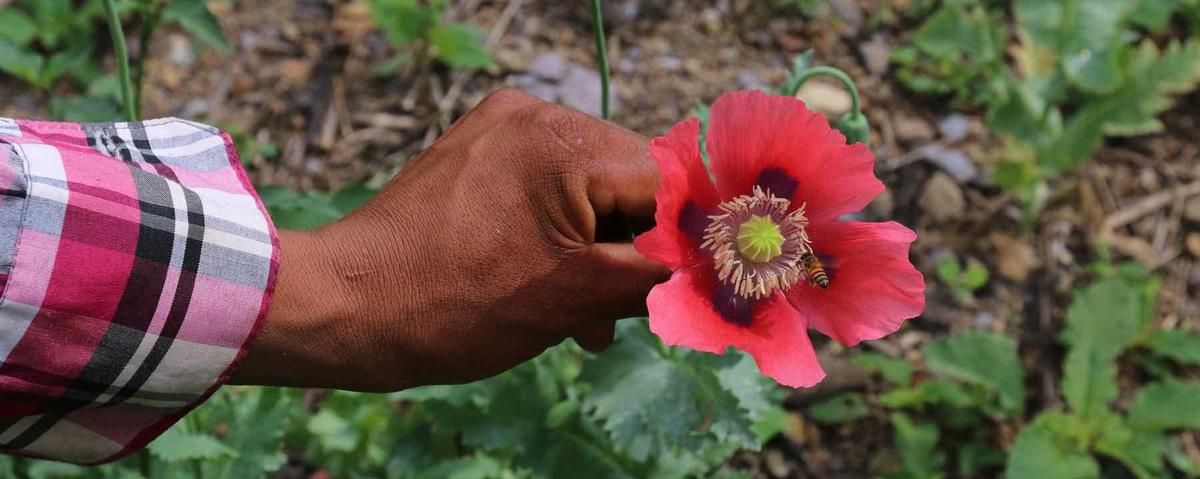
(302, 340)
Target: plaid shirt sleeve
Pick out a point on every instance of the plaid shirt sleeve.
(136, 264)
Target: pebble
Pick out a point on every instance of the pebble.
(1015, 257)
(1191, 209)
(580, 89)
(549, 66)
(777, 466)
(912, 128)
(824, 98)
(179, 50)
(876, 54)
(942, 198)
(954, 127)
(951, 160)
(882, 206)
(1193, 244)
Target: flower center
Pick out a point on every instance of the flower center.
(759, 239)
(758, 245)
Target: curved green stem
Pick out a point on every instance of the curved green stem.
(835, 73)
(601, 58)
(122, 54)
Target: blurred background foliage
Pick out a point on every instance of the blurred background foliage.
(1046, 151)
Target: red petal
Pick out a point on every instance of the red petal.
(776, 141)
(682, 314)
(683, 199)
(873, 287)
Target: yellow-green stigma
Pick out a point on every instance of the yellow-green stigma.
(756, 242)
(759, 239)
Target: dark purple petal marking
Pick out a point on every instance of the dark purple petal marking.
(777, 182)
(731, 306)
(692, 221)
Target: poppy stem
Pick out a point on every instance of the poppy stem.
(835, 73)
(120, 51)
(601, 59)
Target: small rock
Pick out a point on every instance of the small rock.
(777, 466)
(549, 66)
(984, 321)
(580, 89)
(294, 72)
(1193, 244)
(1191, 209)
(951, 160)
(1015, 257)
(942, 198)
(954, 127)
(911, 128)
(824, 98)
(876, 54)
(849, 11)
(179, 50)
(749, 79)
(670, 63)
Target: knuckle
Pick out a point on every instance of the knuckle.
(506, 99)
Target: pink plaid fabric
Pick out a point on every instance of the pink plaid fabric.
(136, 264)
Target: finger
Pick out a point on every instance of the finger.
(620, 279)
(624, 177)
(598, 338)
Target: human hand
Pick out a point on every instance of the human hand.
(479, 255)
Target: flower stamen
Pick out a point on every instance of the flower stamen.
(757, 244)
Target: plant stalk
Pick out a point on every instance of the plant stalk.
(122, 55)
(835, 73)
(601, 59)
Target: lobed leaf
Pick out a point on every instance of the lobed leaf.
(986, 359)
(1042, 452)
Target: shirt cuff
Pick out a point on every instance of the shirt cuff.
(136, 266)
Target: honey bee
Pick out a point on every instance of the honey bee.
(815, 270)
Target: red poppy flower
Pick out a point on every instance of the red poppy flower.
(746, 250)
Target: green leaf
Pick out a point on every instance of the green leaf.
(1166, 405)
(1096, 72)
(460, 46)
(839, 409)
(195, 18)
(64, 62)
(769, 424)
(896, 371)
(948, 270)
(16, 27)
(478, 466)
(21, 63)
(85, 108)
(649, 404)
(1154, 15)
(936, 392)
(334, 432)
(986, 359)
(404, 21)
(177, 444)
(1107, 317)
(917, 445)
(1103, 321)
(1069, 27)
(1089, 381)
(975, 276)
(256, 418)
(1040, 452)
(1181, 347)
(1142, 452)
